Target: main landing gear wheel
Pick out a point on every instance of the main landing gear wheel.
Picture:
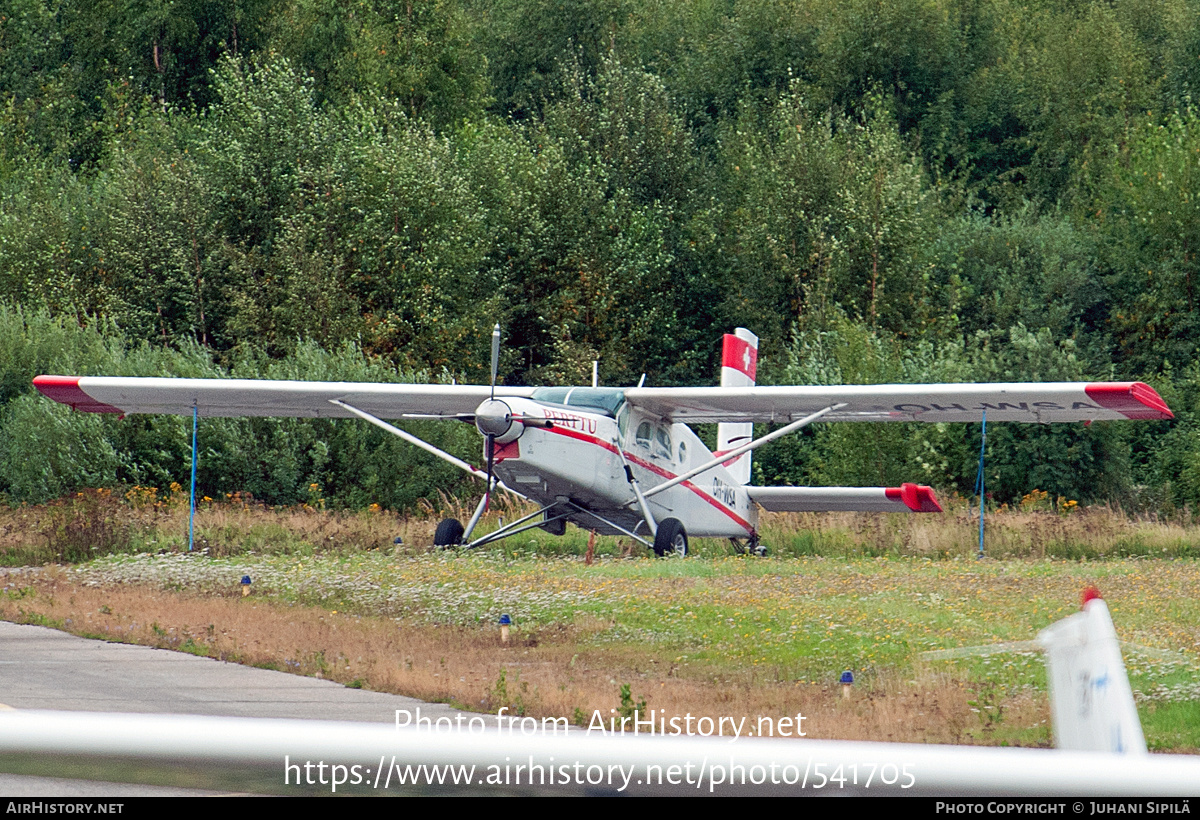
(671, 538)
(449, 533)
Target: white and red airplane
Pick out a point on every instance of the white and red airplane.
(622, 460)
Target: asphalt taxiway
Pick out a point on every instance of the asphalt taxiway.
(42, 668)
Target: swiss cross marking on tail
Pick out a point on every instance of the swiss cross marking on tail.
(738, 354)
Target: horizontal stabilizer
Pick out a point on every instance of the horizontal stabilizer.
(905, 498)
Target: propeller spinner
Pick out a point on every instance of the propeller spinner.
(494, 419)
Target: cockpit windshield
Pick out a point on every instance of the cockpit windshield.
(605, 400)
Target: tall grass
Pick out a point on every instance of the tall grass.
(138, 519)
(1081, 533)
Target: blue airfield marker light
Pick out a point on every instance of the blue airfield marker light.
(847, 680)
(505, 623)
(245, 585)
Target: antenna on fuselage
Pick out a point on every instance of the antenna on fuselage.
(595, 373)
(642, 380)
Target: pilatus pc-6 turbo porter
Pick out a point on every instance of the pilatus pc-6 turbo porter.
(622, 461)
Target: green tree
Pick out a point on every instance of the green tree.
(47, 252)
(527, 42)
(49, 450)
(909, 51)
(1145, 216)
(715, 57)
(255, 144)
(159, 252)
(421, 54)
(820, 214)
(1035, 270)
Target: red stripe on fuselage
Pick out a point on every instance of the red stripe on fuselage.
(727, 462)
(584, 437)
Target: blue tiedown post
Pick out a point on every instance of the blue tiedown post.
(192, 512)
(979, 479)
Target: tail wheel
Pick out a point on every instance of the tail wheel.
(671, 538)
(449, 533)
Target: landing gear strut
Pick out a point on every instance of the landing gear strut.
(750, 546)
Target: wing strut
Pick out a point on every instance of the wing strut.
(637, 491)
(424, 445)
(737, 451)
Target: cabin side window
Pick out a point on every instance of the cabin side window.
(644, 434)
(662, 442)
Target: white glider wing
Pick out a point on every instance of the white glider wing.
(245, 397)
(1031, 402)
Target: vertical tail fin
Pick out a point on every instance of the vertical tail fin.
(739, 363)
(1090, 696)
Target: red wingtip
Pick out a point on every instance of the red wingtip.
(1134, 400)
(917, 497)
(66, 390)
(1091, 594)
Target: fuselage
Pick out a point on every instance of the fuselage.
(577, 457)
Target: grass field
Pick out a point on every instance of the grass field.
(714, 635)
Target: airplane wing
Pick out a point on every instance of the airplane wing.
(246, 397)
(905, 498)
(1032, 402)
(1049, 402)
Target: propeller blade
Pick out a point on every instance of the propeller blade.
(491, 460)
(528, 421)
(441, 416)
(491, 438)
(495, 356)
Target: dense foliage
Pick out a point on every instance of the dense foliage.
(955, 190)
